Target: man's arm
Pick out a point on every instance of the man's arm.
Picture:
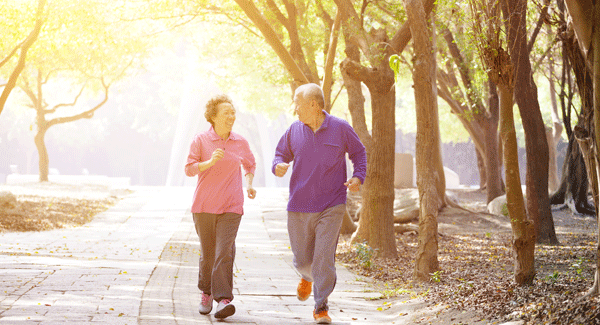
(283, 155)
(357, 154)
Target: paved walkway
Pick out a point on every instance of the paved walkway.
(137, 263)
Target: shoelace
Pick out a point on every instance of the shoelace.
(226, 301)
(205, 299)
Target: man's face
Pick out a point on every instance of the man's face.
(303, 108)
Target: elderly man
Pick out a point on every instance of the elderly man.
(317, 144)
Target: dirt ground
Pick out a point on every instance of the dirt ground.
(46, 206)
(475, 282)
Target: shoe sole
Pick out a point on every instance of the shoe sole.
(225, 312)
(302, 298)
(205, 313)
(323, 321)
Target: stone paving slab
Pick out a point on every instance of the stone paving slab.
(91, 274)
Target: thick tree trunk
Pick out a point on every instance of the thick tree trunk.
(377, 212)
(376, 219)
(430, 172)
(378, 198)
(536, 146)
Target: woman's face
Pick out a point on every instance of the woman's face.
(225, 117)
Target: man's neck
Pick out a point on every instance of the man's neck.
(318, 121)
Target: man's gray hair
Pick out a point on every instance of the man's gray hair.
(312, 91)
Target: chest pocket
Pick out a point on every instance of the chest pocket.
(332, 154)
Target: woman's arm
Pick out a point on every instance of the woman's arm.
(251, 191)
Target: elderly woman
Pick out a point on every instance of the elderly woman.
(215, 156)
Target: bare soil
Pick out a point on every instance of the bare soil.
(475, 282)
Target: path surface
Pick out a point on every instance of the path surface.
(137, 263)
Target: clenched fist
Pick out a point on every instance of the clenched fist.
(281, 169)
(217, 155)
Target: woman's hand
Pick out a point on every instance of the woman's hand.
(217, 155)
(251, 193)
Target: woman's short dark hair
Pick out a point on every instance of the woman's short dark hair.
(212, 107)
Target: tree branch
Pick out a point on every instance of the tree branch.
(538, 26)
(12, 53)
(541, 58)
(273, 40)
(403, 36)
(87, 114)
(357, 34)
(328, 75)
(278, 14)
(358, 72)
(50, 111)
(12, 80)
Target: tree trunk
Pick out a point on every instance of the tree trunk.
(557, 128)
(430, 172)
(378, 198)
(596, 78)
(356, 99)
(536, 146)
(552, 172)
(494, 182)
(481, 167)
(376, 219)
(574, 183)
(43, 164)
(523, 232)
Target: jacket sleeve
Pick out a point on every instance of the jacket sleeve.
(356, 153)
(283, 152)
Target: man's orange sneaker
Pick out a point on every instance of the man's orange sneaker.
(322, 317)
(304, 290)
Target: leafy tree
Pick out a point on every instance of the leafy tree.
(487, 27)
(375, 224)
(428, 156)
(79, 50)
(462, 86)
(536, 146)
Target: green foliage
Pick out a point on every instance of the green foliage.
(365, 254)
(553, 277)
(436, 276)
(578, 266)
(504, 210)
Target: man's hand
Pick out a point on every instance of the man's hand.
(353, 184)
(281, 169)
(251, 193)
